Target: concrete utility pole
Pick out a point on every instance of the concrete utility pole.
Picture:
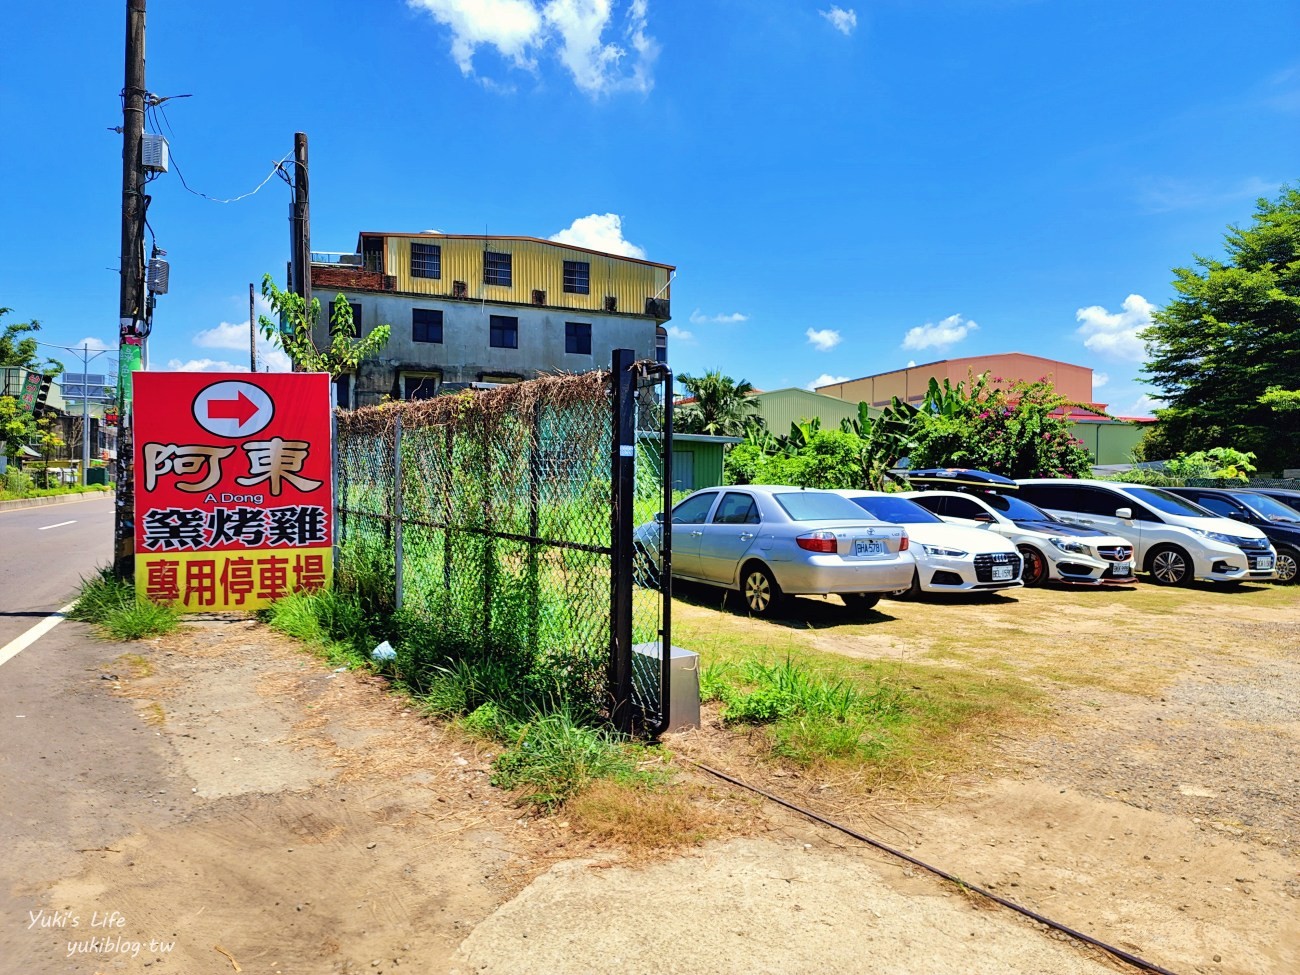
(131, 310)
(300, 222)
(252, 332)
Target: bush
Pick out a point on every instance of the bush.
(112, 604)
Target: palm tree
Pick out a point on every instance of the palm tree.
(721, 407)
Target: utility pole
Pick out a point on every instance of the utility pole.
(252, 332)
(131, 310)
(300, 222)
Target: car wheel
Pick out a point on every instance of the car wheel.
(1287, 559)
(860, 603)
(1035, 571)
(644, 571)
(1170, 566)
(761, 593)
(911, 592)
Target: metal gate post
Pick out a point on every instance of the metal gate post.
(623, 487)
(397, 508)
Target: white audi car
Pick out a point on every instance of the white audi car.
(1053, 551)
(949, 558)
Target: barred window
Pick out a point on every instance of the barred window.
(426, 325)
(577, 338)
(577, 277)
(426, 260)
(420, 385)
(496, 268)
(504, 332)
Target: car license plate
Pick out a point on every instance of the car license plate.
(1002, 573)
(1264, 562)
(1122, 569)
(868, 546)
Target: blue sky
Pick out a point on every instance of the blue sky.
(843, 189)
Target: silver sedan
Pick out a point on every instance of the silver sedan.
(767, 541)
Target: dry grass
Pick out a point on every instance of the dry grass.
(645, 823)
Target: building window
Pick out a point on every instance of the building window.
(504, 332)
(420, 385)
(426, 325)
(356, 320)
(661, 344)
(343, 391)
(496, 268)
(577, 277)
(577, 338)
(426, 260)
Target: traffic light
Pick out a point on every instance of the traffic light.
(43, 393)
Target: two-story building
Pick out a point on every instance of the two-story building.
(468, 310)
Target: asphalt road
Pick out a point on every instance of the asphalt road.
(44, 553)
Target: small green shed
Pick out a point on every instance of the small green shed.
(697, 460)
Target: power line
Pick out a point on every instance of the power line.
(154, 111)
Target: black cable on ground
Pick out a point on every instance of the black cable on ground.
(1119, 953)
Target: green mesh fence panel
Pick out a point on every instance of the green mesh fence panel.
(505, 503)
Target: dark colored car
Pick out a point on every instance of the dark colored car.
(1276, 520)
(1288, 496)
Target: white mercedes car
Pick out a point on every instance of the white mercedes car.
(949, 558)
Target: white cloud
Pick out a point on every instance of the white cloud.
(1100, 379)
(1167, 194)
(1143, 405)
(844, 21)
(735, 318)
(679, 334)
(599, 232)
(948, 332)
(823, 339)
(204, 365)
(234, 336)
(826, 379)
(582, 33)
(90, 344)
(1116, 335)
(911, 363)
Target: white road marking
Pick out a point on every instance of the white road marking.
(19, 644)
(59, 525)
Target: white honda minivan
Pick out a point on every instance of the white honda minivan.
(1173, 539)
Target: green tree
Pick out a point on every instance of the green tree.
(1281, 400)
(343, 353)
(16, 427)
(722, 406)
(1232, 332)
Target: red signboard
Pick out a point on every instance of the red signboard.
(233, 490)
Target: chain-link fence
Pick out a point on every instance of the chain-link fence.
(491, 518)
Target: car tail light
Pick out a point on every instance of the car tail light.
(818, 542)
(903, 543)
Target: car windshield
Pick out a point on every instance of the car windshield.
(1170, 504)
(1270, 509)
(815, 506)
(900, 511)
(1015, 509)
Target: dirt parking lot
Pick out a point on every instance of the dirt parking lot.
(278, 816)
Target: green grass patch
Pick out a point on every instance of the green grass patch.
(891, 720)
(112, 605)
(553, 757)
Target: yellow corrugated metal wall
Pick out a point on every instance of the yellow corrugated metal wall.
(534, 265)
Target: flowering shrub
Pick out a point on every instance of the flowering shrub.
(1009, 432)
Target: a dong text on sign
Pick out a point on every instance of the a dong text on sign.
(233, 501)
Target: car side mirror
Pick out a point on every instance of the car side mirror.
(1124, 514)
(659, 517)
(986, 518)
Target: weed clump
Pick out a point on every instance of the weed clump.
(118, 612)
